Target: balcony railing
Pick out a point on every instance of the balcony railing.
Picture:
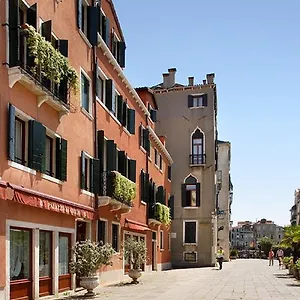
(197, 159)
(118, 188)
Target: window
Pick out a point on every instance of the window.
(85, 93)
(197, 156)
(190, 232)
(115, 102)
(160, 162)
(84, 17)
(155, 157)
(102, 231)
(191, 192)
(161, 243)
(115, 46)
(45, 254)
(20, 141)
(144, 138)
(100, 91)
(64, 253)
(197, 100)
(169, 172)
(115, 237)
(49, 156)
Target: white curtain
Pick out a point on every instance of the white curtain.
(63, 255)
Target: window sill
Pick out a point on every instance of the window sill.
(143, 149)
(149, 158)
(161, 171)
(191, 207)
(189, 244)
(87, 193)
(156, 166)
(52, 179)
(85, 38)
(113, 116)
(161, 250)
(169, 180)
(87, 114)
(21, 167)
(144, 203)
(196, 107)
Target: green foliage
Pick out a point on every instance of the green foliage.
(297, 264)
(135, 251)
(291, 237)
(89, 257)
(123, 188)
(162, 213)
(233, 252)
(52, 64)
(266, 244)
(288, 261)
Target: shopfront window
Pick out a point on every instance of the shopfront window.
(45, 261)
(20, 246)
(63, 254)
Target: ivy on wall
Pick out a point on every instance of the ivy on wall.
(162, 213)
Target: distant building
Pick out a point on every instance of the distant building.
(295, 210)
(267, 228)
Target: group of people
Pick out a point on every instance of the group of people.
(279, 256)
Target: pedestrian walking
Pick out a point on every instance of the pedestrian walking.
(280, 255)
(220, 257)
(271, 257)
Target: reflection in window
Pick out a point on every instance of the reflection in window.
(19, 254)
(45, 254)
(63, 255)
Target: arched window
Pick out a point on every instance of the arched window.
(190, 192)
(197, 157)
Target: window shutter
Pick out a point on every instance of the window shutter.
(101, 231)
(165, 197)
(141, 135)
(146, 140)
(47, 30)
(11, 132)
(198, 194)
(146, 187)
(93, 19)
(111, 154)
(160, 194)
(171, 206)
(132, 170)
(37, 145)
(14, 33)
(96, 179)
(190, 101)
(204, 97)
(101, 143)
(169, 172)
(100, 19)
(121, 60)
(153, 115)
(103, 27)
(131, 121)
(109, 88)
(31, 15)
(121, 162)
(91, 187)
(63, 47)
(107, 31)
(142, 185)
(120, 108)
(183, 195)
(79, 13)
(125, 114)
(61, 159)
(82, 171)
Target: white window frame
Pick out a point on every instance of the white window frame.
(115, 107)
(161, 240)
(114, 35)
(183, 237)
(84, 191)
(197, 96)
(119, 236)
(89, 113)
(104, 78)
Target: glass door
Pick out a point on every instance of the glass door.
(20, 263)
(64, 282)
(45, 263)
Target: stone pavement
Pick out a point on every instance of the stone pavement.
(239, 279)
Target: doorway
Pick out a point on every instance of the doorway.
(64, 279)
(154, 246)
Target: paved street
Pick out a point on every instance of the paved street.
(240, 279)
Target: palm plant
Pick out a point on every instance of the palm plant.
(291, 239)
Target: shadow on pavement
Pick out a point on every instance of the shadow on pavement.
(284, 276)
(293, 284)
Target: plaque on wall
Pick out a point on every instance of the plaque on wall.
(190, 256)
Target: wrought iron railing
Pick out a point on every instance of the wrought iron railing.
(197, 159)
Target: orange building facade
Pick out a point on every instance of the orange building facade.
(74, 165)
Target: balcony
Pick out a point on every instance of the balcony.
(197, 160)
(117, 191)
(159, 214)
(38, 74)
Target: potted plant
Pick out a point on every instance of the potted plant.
(297, 268)
(135, 252)
(287, 261)
(233, 254)
(88, 258)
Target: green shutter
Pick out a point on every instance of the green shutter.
(47, 30)
(79, 13)
(198, 194)
(121, 59)
(204, 99)
(91, 187)
(121, 162)
(120, 108)
(146, 140)
(111, 154)
(142, 185)
(169, 172)
(82, 171)
(109, 92)
(93, 18)
(101, 143)
(37, 145)
(132, 170)
(95, 178)
(160, 194)
(107, 31)
(190, 101)
(125, 114)
(131, 121)
(153, 115)
(183, 195)
(171, 206)
(14, 33)
(61, 159)
(146, 188)
(11, 132)
(63, 47)
(32, 16)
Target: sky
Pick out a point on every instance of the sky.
(253, 47)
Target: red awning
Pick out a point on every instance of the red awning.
(130, 224)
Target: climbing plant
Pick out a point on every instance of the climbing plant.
(123, 188)
(162, 213)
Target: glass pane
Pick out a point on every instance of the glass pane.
(48, 155)
(100, 88)
(115, 237)
(63, 255)
(84, 92)
(45, 254)
(190, 232)
(193, 198)
(18, 141)
(19, 254)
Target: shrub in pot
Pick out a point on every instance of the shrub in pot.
(88, 258)
(135, 252)
(297, 269)
(233, 254)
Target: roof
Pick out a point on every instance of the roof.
(116, 18)
(149, 90)
(160, 86)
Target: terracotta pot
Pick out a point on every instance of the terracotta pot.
(89, 283)
(134, 275)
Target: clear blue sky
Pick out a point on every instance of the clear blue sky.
(253, 47)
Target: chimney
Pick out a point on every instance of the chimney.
(191, 81)
(210, 78)
(166, 80)
(163, 139)
(172, 73)
(204, 81)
